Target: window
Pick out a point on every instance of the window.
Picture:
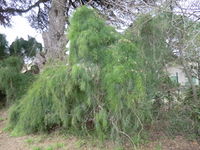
(194, 81)
(174, 78)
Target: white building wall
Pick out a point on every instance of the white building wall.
(178, 70)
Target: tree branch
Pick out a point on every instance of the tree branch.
(20, 11)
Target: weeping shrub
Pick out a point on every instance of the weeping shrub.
(60, 97)
(37, 109)
(99, 92)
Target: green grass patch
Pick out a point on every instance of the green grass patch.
(37, 148)
(30, 141)
(1, 119)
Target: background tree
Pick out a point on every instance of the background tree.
(25, 48)
(13, 83)
(3, 46)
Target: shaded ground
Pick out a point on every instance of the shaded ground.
(178, 143)
(56, 141)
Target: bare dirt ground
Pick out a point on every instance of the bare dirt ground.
(7, 142)
(57, 141)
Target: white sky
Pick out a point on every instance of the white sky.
(20, 28)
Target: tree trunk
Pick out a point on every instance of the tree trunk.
(55, 39)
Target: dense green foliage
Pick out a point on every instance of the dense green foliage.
(150, 34)
(3, 46)
(99, 92)
(14, 83)
(192, 108)
(181, 117)
(157, 38)
(89, 38)
(25, 48)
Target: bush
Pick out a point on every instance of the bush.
(193, 108)
(182, 118)
(13, 83)
(99, 92)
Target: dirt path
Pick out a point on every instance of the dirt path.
(12, 143)
(57, 141)
(7, 142)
